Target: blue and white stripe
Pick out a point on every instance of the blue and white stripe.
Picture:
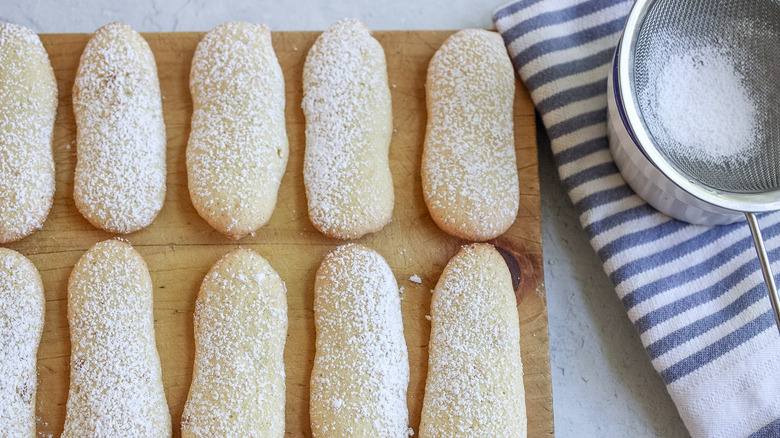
(694, 293)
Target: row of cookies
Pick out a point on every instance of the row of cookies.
(238, 148)
(361, 370)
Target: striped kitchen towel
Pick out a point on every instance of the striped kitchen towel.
(695, 293)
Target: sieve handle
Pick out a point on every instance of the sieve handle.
(774, 297)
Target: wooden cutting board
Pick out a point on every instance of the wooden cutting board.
(180, 247)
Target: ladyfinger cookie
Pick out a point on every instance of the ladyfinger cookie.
(238, 386)
(116, 387)
(469, 170)
(119, 182)
(346, 103)
(361, 368)
(475, 374)
(28, 106)
(237, 152)
(21, 325)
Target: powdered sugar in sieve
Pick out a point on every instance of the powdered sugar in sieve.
(692, 89)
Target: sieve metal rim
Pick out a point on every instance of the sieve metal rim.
(635, 124)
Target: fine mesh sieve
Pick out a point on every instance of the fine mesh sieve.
(733, 42)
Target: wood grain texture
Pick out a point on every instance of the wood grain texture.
(180, 247)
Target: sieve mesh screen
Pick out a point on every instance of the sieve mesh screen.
(707, 79)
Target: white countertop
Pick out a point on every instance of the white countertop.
(603, 382)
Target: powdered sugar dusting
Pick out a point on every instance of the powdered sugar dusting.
(238, 386)
(348, 114)
(469, 168)
(120, 172)
(475, 374)
(21, 325)
(116, 384)
(238, 149)
(361, 367)
(28, 105)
